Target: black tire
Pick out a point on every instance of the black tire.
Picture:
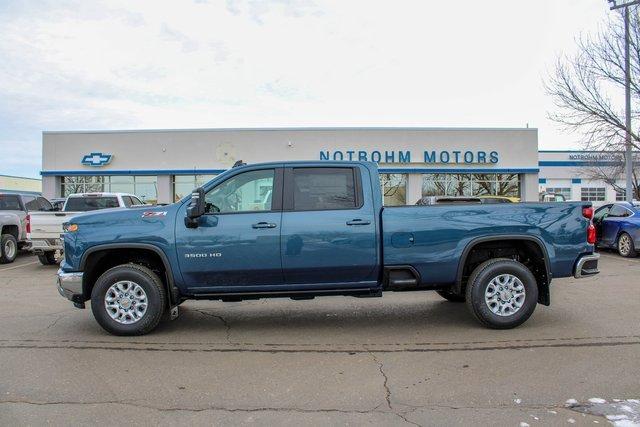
(629, 252)
(8, 248)
(450, 296)
(48, 258)
(156, 297)
(480, 280)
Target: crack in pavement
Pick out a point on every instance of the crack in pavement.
(413, 408)
(318, 344)
(350, 351)
(401, 415)
(55, 321)
(220, 318)
(387, 392)
(385, 384)
(208, 408)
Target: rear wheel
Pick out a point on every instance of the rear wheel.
(502, 293)
(128, 300)
(47, 258)
(451, 296)
(626, 247)
(8, 248)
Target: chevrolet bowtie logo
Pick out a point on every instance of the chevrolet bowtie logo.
(96, 159)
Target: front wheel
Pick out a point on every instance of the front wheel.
(502, 293)
(128, 300)
(47, 258)
(626, 247)
(8, 248)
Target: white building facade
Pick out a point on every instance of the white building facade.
(162, 166)
(579, 175)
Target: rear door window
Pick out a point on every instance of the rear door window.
(84, 204)
(9, 203)
(618, 211)
(323, 189)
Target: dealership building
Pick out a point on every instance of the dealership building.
(162, 166)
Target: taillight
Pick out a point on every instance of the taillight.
(28, 224)
(591, 234)
(587, 212)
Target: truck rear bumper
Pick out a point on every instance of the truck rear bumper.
(587, 265)
(70, 287)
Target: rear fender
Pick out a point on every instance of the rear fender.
(544, 296)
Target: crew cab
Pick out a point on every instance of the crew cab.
(45, 233)
(308, 229)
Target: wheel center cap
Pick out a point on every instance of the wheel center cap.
(506, 295)
(125, 303)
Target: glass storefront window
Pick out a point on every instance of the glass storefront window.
(184, 184)
(455, 184)
(593, 194)
(564, 191)
(145, 187)
(394, 189)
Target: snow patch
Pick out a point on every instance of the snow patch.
(571, 402)
(616, 417)
(597, 400)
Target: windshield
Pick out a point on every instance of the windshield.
(9, 203)
(88, 203)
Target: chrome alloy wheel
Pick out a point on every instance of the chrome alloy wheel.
(126, 302)
(10, 249)
(624, 244)
(505, 295)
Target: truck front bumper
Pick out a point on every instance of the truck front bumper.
(70, 287)
(587, 265)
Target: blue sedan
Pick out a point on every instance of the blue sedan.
(618, 227)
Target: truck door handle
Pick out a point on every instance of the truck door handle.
(264, 225)
(358, 221)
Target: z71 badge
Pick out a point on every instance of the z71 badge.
(150, 214)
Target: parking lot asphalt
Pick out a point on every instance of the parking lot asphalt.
(406, 358)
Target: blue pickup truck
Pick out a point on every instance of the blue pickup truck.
(306, 229)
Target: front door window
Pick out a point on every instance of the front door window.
(246, 192)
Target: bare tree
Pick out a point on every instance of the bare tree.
(612, 171)
(588, 90)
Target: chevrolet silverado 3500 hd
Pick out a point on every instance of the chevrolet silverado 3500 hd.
(307, 229)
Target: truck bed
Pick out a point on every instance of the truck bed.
(432, 238)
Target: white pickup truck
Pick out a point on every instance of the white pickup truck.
(46, 227)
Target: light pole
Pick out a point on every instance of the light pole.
(618, 4)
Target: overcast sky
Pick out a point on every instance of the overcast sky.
(69, 65)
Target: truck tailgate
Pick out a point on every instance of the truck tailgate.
(48, 225)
